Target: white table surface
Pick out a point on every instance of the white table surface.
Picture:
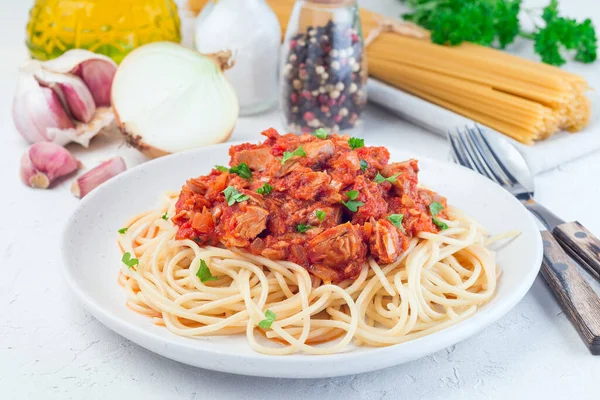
(51, 348)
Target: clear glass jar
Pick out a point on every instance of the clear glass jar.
(323, 67)
(251, 30)
(109, 27)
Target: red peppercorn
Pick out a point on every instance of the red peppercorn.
(308, 116)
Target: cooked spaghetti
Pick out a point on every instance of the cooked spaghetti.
(307, 239)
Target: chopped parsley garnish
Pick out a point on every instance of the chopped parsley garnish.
(123, 230)
(165, 217)
(265, 189)
(356, 143)
(302, 228)
(396, 219)
(242, 170)
(221, 168)
(268, 321)
(363, 165)
(321, 133)
(441, 224)
(380, 178)
(127, 260)
(298, 152)
(352, 204)
(204, 273)
(233, 196)
(435, 208)
(320, 215)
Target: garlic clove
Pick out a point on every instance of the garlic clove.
(96, 70)
(98, 76)
(98, 175)
(73, 91)
(44, 162)
(36, 108)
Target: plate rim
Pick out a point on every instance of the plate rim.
(349, 361)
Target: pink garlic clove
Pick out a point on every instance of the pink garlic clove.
(37, 108)
(98, 175)
(72, 90)
(96, 70)
(44, 162)
(98, 76)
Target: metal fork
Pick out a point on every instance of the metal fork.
(472, 149)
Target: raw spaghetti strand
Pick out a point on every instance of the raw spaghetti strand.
(439, 280)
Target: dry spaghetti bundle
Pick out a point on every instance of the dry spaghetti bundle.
(525, 100)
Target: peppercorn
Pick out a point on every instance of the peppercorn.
(324, 78)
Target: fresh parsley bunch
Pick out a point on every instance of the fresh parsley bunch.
(496, 22)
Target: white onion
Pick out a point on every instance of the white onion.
(167, 98)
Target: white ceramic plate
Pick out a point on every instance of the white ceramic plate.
(92, 262)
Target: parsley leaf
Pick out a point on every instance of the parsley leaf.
(356, 143)
(164, 216)
(320, 215)
(302, 228)
(127, 260)
(352, 195)
(123, 230)
(298, 152)
(242, 170)
(321, 133)
(265, 189)
(435, 208)
(268, 321)
(363, 165)
(396, 219)
(204, 273)
(221, 168)
(352, 204)
(233, 196)
(441, 224)
(380, 178)
(496, 22)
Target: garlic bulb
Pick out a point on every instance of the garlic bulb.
(64, 100)
(167, 98)
(44, 162)
(98, 175)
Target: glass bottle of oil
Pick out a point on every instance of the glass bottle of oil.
(110, 27)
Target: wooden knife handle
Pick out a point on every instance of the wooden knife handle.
(577, 299)
(581, 244)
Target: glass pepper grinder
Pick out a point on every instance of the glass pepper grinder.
(323, 68)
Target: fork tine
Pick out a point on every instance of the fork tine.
(483, 152)
(457, 150)
(470, 157)
(494, 161)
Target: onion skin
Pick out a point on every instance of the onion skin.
(135, 140)
(163, 104)
(44, 162)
